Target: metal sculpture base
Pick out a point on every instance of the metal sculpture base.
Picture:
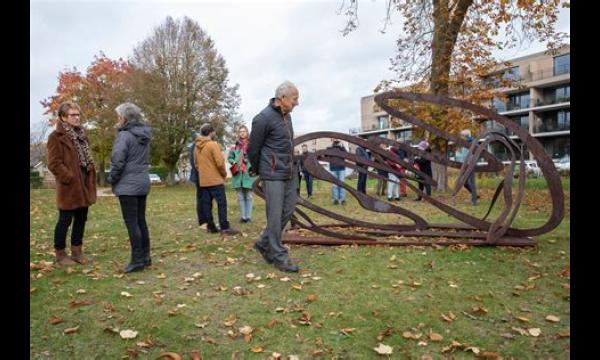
(464, 236)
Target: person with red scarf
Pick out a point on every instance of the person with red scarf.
(241, 180)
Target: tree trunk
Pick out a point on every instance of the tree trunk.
(101, 175)
(172, 170)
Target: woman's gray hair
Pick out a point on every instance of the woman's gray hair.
(284, 89)
(130, 111)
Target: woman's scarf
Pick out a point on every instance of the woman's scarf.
(242, 145)
(80, 140)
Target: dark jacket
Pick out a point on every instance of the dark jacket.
(74, 188)
(193, 170)
(130, 160)
(302, 159)
(271, 148)
(336, 164)
(424, 164)
(362, 152)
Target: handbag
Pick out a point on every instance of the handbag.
(235, 169)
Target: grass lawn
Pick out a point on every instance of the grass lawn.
(216, 296)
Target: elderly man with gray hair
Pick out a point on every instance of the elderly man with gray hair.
(130, 181)
(271, 153)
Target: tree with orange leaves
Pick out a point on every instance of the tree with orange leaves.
(446, 46)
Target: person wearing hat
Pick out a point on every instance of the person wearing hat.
(424, 166)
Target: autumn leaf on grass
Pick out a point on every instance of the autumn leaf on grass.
(520, 331)
(247, 332)
(297, 286)
(77, 303)
(80, 291)
(256, 349)
(71, 330)
(435, 336)
(230, 320)
(488, 355)
(173, 312)
(563, 334)
(552, 318)
(126, 294)
(195, 355)
(347, 331)
(32, 290)
(161, 276)
(522, 319)
(128, 334)
(55, 320)
(387, 332)
(477, 310)
(284, 279)
(304, 319)
(449, 318)
(535, 332)
(383, 349)
(272, 323)
(410, 335)
(311, 298)
(169, 355)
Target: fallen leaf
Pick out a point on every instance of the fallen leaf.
(422, 343)
(170, 355)
(520, 331)
(477, 310)
(71, 330)
(126, 294)
(564, 334)
(128, 334)
(161, 276)
(55, 320)
(272, 323)
(347, 331)
(435, 337)
(426, 357)
(256, 349)
(383, 349)
(387, 332)
(142, 344)
(311, 298)
(195, 355)
(316, 278)
(111, 330)
(474, 349)
(230, 320)
(297, 287)
(410, 335)
(246, 330)
(76, 303)
(81, 291)
(279, 309)
(522, 318)
(284, 279)
(32, 290)
(552, 318)
(535, 332)
(449, 318)
(488, 355)
(260, 286)
(293, 357)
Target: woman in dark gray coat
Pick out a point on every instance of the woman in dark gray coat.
(130, 181)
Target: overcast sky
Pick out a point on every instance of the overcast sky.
(263, 43)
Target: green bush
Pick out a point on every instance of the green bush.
(35, 180)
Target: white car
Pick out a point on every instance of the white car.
(564, 164)
(154, 179)
(532, 167)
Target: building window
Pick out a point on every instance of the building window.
(404, 136)
(499, 105)
(563, 93)
(556, 147)
(562, 64)
(382, 122)
(555, 121)
(518, 101)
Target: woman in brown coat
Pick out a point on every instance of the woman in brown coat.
(70, 160)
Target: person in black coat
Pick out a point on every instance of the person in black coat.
(130, 180)
(424, 166)
(362, 178)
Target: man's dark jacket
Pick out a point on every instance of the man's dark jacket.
(337, 164)
(271, 149)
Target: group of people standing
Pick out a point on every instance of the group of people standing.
(267, 152)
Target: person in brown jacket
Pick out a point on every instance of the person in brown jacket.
(211, 167)
(70, 160)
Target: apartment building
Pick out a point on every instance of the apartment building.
(538, 100)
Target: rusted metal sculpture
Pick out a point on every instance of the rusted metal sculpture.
(471, 230)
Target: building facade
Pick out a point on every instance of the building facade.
(537, 100)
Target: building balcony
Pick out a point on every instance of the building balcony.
(552, 101)
(552, 127)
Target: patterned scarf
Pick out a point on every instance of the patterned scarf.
(77, 135)
(242, 144)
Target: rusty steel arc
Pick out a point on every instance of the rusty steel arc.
(470, 230)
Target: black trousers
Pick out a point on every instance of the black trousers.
(201, 220)
(65, 217)
(361, 186)
(133, 209)
(217, 193)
